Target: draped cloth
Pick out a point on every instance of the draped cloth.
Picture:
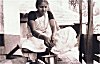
(66, 41)
(66, 45)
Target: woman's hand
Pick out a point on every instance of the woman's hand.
(48, 42)
(53, 40)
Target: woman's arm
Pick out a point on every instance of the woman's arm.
(54, 30)
(53, 26)
(52, 22)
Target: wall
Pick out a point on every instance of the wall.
(11, 17)
(1, 17)
(60, 9)
(11, 24)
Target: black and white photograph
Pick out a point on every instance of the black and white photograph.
(49, 32)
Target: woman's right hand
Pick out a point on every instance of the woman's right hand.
(47, 41)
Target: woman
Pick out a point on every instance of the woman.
(45, 33)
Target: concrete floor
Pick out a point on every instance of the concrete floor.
(94, 62)
(21, 60)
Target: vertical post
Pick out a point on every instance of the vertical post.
(80, 12)
(89, 42)
(80, 18)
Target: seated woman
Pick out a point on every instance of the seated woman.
(45, 34)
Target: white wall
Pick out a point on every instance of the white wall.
(26, 5)
(59, 8)
(11, 17)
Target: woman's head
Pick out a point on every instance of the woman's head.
(42, 6)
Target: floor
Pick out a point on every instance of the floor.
(75, 63)
(94, 62)
(60, 62)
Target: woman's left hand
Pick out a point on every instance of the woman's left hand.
(53, 40)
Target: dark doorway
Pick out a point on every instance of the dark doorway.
(1, 39)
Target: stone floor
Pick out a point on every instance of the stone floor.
(94, 62)
(16, 59)
(13, 60)
(22, 60)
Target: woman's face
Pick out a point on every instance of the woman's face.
(42, 8)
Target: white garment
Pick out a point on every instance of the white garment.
(66, 44)
(34, 44)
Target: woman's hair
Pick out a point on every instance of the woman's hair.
(38, 2)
